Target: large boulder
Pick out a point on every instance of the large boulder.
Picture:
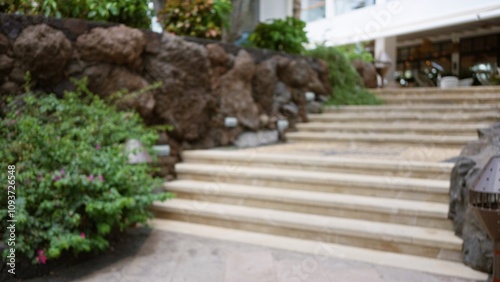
(107, 79)
(184, 99)
(321, 69)
(299, 98)
(6, 65)
(219, 63)
(264, 84)
(367, 73)
(117, 45)
(282, 96)
(298, 73)
(477, 246)
(235, 92)
(43, 51)
(4, 44)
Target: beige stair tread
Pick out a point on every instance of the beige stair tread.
(394, 126)
(416, 263)
(426, 90)
(329, 200)
(421, 236)
(383, 137)
(414, 108)
(404, 115)
(256, 157)
(448, 97)
(382, 182)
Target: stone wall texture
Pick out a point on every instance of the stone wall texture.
(202, 81)
(477, 246)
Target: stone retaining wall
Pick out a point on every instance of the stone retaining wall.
(202, 82)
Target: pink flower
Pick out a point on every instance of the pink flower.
(98, 146)
(40, 178)
(101, 178)
(56, 178)
(62, 171)
(41, 258)
(91, 178)
(82, 235)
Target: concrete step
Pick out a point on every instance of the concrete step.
(341, 183)
(253, 158)
(381, 138)
(438, 91)
(390, 109)
(405, 212)
(322, 250)
(426, 118)
(454, 129)
(441, 99)
(421, 241)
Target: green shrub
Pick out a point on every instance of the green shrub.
(74, 186)
(134, 13)
(356, 52)
(197, 18)
(286, 35)
(345, 80)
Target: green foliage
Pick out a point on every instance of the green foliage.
(356, 52)
(135, 13)
(345, 80)
(73, 183)
(286, 35)
(197, 18)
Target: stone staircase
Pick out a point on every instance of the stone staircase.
(422, 116)
(365, 183)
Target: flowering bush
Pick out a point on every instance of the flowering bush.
(74, 186)
(198, 18)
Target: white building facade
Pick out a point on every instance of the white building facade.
(451, 35)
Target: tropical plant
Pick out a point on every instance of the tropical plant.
(356, 52)
(287, 35)
(74, 186)
(345, 80)
(134, 13)
(197, 18)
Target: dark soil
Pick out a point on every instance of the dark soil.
(68, 267)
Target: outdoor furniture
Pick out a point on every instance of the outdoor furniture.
(449, 82)
(382, 67)
(466, 82)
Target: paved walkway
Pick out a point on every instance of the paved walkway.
(154, 255)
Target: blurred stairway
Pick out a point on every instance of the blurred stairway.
(422, 116)
(380, 210)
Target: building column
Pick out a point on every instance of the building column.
(385, 51)
(455, 55)
(329, 9)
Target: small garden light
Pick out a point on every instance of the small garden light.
(282, 125)
(310, 96)
(162, 150)
(230, 122)
(484, 198)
